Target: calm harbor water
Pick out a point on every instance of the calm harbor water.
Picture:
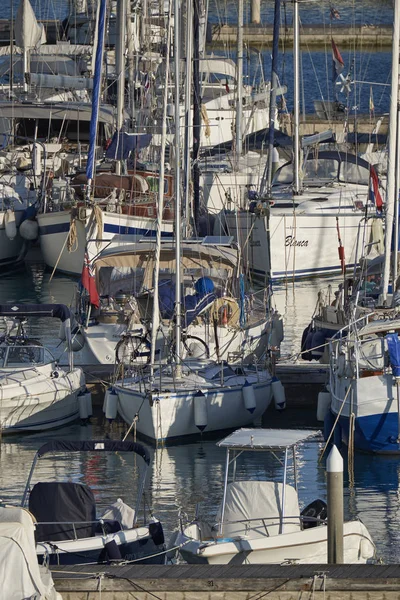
(182, 476)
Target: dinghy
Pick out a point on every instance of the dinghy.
(68, 531)
(260, 522)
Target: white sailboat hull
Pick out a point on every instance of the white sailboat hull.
(10, 250)
(54, 229)
(301, 245)
(169, 415)
(303, 547)
(39, 402)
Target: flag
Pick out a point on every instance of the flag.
(374, 194)
(371, 102)
(146, 82)
(89, 283)
(338, 63)
(334, 14)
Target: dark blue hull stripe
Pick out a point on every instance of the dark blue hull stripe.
(374, 433)
(108, 228)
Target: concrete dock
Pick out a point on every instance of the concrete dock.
(229, 582)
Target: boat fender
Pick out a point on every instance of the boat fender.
(78, 341)
(323, 406)
(366, 549)
(276, 330)
(157, 533)
(82, 405)
(10, 224)
(315, 510)
(110, 405)
(318, 344)
(89, 405)
(112, 550)
(61, 332)
(200, 410)
(278, 392)
(29, 230)
(249, 397)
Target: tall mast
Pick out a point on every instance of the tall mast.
(239, 83)
(120, 71)
(188, 111)
(160, 205)
(272, 98)
(178, 327)
(11, 46)
(391, 194)
(196, 112)
(296, 98)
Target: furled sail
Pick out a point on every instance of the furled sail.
(28, 32)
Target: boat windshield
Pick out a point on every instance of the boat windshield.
(20, 356)
(353, 173)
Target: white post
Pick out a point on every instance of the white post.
(334, 469)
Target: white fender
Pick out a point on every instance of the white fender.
(276, 330)
(88, 400)
(324, 402)
(278, 392)
(110, 405)
(249, 397)
(83, 413)
(61, 332)
(10, 224)
(29, 230)
(200, 411)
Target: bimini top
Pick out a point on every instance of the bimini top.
(94, 446)
(266, 439)
(58, 311)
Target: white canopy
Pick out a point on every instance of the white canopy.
(20, 573)
(266, 439)
(262, 501)
(28, 32)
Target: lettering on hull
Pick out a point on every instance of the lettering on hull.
(291, 241)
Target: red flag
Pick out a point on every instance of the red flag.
(374, 194)
(334, 14)
(338, 62)
(89, 283)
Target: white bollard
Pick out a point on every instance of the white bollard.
(334, 469)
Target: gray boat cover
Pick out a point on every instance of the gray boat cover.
(20, 574)
(246, 500)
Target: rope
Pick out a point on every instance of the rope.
(98, 217)
(206, 121)
(350, 450)
(72, 238)
(334, 425)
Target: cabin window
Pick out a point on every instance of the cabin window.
(351, 173)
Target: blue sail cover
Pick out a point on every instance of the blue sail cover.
(393, 343)
(98, 66)
(124, 143)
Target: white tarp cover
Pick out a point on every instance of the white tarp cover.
(256, 500)
(20, 574)
(121, 512)
(28, 32)
(265, 438)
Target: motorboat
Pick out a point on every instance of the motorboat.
(68, 531)
(260, 522)
(35, 392)
(21, 576)
(220, 321)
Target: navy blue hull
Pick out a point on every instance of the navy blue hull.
(374, 433)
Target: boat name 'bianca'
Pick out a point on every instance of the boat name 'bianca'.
(291, 241)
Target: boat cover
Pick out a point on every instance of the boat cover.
(121, 512)
(20, 573)
(63, 503)
(259, 500)
(58, 311)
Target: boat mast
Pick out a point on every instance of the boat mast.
(160, 205)
(391, 193)
(272, 98)
(188, 113)
(120, 71)
(178, 300)
(296, 99)
(239, 83)
(98, 68)
(11, 46)
(196, 113)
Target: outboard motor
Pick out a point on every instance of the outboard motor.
(317, 510)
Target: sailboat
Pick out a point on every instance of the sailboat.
(184, 398)
(292, 228)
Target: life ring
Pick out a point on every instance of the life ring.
(225, 311)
